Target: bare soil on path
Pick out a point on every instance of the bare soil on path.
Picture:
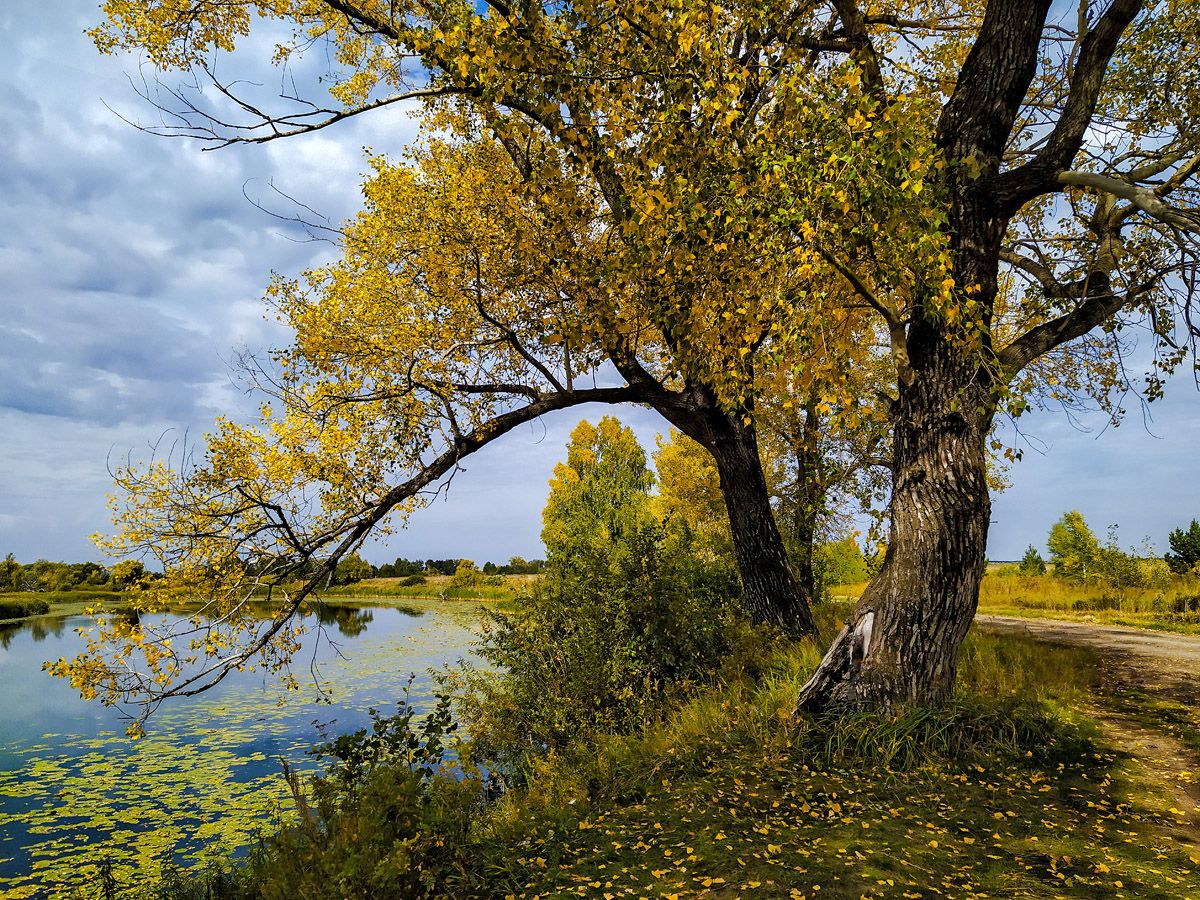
(1159, 662)
(1163, 665)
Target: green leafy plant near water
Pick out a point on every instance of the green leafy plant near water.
(648, 743)
(1005, 792)
(19, 608)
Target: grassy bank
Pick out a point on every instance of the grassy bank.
(1008, 792)
(504, 587)
(27, 604)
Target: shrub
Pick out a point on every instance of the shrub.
(595, 652)
(413, 580)
(17, 609)
(467, 575)
(384, 820)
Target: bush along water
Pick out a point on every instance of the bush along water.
(388, 818)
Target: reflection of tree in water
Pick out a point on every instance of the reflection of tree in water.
(350, 622)
(39, 629)
(130, 615)
(44, 626)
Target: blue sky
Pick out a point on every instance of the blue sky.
(131, 268)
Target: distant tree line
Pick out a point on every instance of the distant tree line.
(44, 576)
(1077, 555)
(353, 569)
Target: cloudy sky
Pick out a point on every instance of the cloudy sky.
(131, 268)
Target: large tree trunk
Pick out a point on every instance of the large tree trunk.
(901, 643)
(773, 595)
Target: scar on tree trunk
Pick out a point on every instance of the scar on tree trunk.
(901, 643)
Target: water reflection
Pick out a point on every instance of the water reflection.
(350, 622)
(39, 628)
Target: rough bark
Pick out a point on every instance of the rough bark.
(901, 643)
(773, 595)
(918, 608)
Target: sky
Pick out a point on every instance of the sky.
(131, 272)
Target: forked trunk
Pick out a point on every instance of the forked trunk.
(901, 643)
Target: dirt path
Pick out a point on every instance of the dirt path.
(1156, 661)
(1163, 665)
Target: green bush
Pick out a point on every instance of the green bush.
(17, 609)
(596, 650)
(413, 580)
(1032, 563)
(467, 575)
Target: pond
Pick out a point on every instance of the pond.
(76, 794)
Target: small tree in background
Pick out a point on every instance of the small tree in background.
(1118, 568)
(627, 616)
(1073, 547)
(352, 569)
(1186, 547)
(1032, 562)
(467, 575)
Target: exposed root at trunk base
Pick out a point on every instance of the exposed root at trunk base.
(832, 685)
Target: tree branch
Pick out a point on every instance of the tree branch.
(1144, 199)
(895, 327)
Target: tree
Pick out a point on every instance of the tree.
(1032, 562)
(466, 575)
(129, 574)
(352, 569)
(10, 573)
(625, 616)
(1186, 545)
(599, 499)
(1073, 548)
(695, 195)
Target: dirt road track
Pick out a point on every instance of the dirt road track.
(1157, 661)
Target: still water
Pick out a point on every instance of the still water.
(76, 794)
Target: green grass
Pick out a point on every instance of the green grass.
(1172, 607)
(73, 596)
(1005, 793)
(366, 589)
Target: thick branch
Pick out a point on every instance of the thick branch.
(463, 446)
(1018, 186)
(1144, 199)
(1051, 286)
(1102, 302)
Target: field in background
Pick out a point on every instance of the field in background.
(1170, 607)
(438, 587)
